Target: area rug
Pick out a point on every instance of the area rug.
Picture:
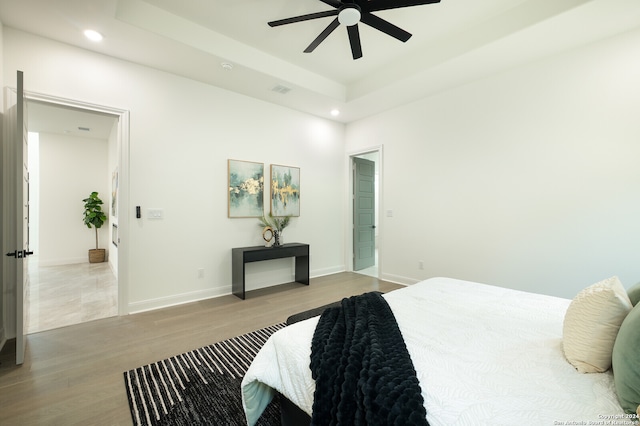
(201, 387)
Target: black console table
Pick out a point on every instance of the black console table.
(243, 255)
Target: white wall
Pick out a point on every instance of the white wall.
(181, 134)
(70, 169)
(33, 154)
(527, 179)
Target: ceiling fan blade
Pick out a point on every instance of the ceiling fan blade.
(303, 18)
(374, 5)
(334, 3)
(324, 34)
(385, 26)
(354, 39)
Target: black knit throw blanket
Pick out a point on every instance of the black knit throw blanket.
(362, 369)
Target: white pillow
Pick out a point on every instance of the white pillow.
(591, 325)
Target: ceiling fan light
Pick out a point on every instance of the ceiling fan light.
(349, 16)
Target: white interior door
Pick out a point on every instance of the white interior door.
(17, 203)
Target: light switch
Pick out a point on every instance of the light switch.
(155, 213)
(389, 213)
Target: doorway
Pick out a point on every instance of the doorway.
(73, 151)
(365, 206)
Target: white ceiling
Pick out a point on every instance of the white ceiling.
(51, 118)
(454, 41)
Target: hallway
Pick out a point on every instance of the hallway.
(371, 271)
(70, 294)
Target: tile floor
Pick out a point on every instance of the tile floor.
(371, 271)
(70, 294)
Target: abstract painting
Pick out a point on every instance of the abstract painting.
(285, 190)
(246, 189)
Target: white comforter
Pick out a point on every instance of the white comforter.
(484, 355)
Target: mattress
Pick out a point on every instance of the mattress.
(483, 355)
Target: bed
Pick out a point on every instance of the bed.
(483, 355)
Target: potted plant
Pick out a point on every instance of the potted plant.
(94, 217)
(275, 225)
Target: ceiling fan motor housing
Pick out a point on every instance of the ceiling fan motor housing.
(349, 14)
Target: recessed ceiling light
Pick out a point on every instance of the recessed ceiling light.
(226, 66)
(93, 35)
(335, 112)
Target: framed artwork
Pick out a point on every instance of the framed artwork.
(114, 193)
(285, 190)
(246, 189)
(114, 234)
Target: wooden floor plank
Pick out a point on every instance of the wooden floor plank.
(73, 375)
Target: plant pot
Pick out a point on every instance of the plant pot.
(96, 255)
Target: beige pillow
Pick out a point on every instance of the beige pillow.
(591, 325)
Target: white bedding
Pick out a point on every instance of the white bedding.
(484, 355)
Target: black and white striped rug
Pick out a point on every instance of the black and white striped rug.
(201, 387)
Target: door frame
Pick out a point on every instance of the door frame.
(350, 223)
(123, 183)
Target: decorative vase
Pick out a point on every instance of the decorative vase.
(277, 236)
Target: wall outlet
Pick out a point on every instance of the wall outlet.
(420, 264)
(201, 273)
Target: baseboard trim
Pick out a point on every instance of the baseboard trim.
(178, 299)
(194, 296)
(328, 271)
(60, 262)
(399, 279)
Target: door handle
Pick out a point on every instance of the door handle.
(19, 254)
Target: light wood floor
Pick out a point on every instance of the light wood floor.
(74, 375)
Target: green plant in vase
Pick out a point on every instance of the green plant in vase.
(94, 217)
(273, 225)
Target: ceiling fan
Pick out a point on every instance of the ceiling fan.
(349, 13)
